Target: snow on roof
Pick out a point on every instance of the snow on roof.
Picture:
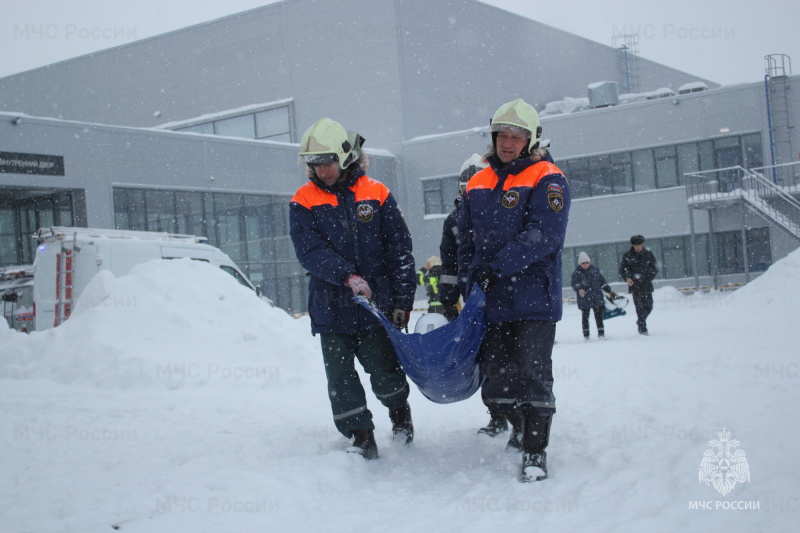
(223, 114)
(692, 87)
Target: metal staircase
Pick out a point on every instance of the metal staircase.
(776, 204)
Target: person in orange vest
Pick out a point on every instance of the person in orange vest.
(351, 237)
(511, 228)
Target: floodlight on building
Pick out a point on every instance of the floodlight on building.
(724, 130)
(17, 121)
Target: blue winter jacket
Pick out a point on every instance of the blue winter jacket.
(592, 281)
(448, 251)
(355, 228)
(513, 220)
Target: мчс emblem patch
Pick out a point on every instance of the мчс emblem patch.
(510, 199)
(364, 212)
(555, 197)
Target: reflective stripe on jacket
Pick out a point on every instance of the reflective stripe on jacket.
(352, 229)
(513, 220)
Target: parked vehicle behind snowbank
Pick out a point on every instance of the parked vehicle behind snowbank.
(16, 296)
(68, 258)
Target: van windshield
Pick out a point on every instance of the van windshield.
(235, 273)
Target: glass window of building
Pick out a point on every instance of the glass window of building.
(242, 126)
(579, 177)
(160, 207)
(751, 148)
(602, 177)
(674, 263)
(9, 250)
(189, 213)
(666, 166)
(659, 167)
(439, 194)
(687, 158)
(622, 172)
(273, 124)
(706, 151)
(252, 228)
(644, 174)
(759, 249)
(206, 128)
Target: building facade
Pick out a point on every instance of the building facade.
(196, 131)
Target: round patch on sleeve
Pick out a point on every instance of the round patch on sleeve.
(555, 197)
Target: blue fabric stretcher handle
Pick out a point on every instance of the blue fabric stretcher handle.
(442, 363)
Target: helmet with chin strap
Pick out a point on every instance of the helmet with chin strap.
(326, 141)
(469, 168)
(519, 118)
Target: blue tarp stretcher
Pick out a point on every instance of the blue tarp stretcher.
(442, 363)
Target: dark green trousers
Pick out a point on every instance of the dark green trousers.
(377, 356)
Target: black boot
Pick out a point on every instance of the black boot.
(536, 437)
(534, 467)
(515, 440)
(364, 444)
(497, 424)
(402, 426)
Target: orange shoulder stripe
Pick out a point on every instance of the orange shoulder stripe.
(484, 179)
(309, 195)
(531, 175)
(367, 188)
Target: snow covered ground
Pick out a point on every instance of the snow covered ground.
(175, 400)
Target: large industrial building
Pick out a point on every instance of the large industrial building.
(197, 131)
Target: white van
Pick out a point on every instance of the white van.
(16, 296)
(68, 258)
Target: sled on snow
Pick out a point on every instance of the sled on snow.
(614, 306)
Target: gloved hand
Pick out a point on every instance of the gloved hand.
(400, 318)
(450, 312)
(358, 285)
(486, 280)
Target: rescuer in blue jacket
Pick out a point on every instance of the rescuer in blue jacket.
(511, 227)
(350, 235)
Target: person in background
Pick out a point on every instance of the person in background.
(350, 235)
(589, 283)
(428, 277)
(448, 282)
(638, 269)
(448, 249)
(511, 228)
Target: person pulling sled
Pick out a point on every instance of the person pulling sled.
(589, 283)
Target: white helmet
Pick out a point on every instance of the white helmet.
(469, 168)
(520, 118)
(429, 322)
(327, 141)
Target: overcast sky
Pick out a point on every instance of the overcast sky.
(721, 40)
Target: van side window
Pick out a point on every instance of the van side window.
(233, 272)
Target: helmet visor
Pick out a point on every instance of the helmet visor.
(522, 133)
(320, 159)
